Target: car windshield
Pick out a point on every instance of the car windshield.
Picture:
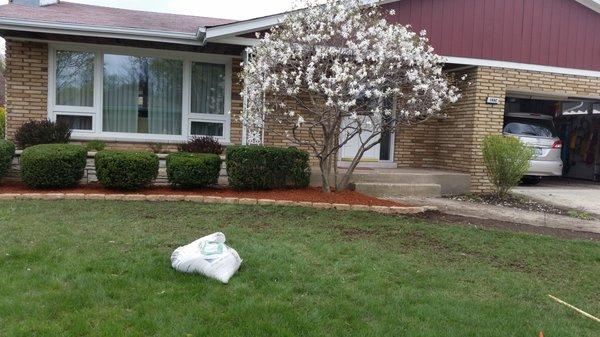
(529, 127)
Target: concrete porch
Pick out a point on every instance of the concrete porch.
(404, 182)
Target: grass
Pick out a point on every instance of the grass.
(83, 268)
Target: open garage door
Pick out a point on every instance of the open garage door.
(577, 123)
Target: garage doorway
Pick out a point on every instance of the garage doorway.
(577, 122)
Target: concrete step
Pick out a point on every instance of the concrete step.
(395, 190)
(451, 183)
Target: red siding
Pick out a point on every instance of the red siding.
(561, 33)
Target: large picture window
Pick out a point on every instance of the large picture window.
(114, 93)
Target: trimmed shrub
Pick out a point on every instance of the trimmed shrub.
(202, 145)
(261, 167)
(507, 159)
(42, 132)
(126, 170)
(53, 165)
(193, 170)
(7, 152)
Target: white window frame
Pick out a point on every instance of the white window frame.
(96, 110)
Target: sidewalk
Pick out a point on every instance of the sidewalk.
(498, 213)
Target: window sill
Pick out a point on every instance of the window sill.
(137, 138)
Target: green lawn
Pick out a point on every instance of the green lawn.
(83, 268)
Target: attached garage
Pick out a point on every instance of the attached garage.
(577, 124)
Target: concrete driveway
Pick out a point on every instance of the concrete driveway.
(564, 192)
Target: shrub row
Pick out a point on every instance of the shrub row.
(248, 167)
(261, 167)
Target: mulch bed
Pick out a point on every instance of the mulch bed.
(300, 195)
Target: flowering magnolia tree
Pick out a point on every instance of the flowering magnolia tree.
(338, 72)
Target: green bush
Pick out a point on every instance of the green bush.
(260, 167)
(126, 170)
(42, 132)
(95, 146)
(53, 165)
(191, 170)
(202, 145)
(507, 159)
(7, 152)
(2, 121)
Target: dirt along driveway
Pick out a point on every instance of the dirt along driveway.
(580, 195)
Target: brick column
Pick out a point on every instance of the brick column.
(26, 83)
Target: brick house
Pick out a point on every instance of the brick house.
(133, 78)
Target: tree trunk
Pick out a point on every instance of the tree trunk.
(325, 165)
(345, 182)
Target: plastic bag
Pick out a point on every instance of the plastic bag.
(208, 256)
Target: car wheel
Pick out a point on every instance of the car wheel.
(531, 180)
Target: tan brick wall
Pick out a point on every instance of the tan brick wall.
(26, 83)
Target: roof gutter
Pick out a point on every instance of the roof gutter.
(106, 32)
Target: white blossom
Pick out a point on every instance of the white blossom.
(344, 68)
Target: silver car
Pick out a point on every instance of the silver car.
(538, 132)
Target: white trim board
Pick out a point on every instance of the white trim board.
(520, 66)
(106, 32)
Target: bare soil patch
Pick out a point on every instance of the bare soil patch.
(449, 219)
(513, 201)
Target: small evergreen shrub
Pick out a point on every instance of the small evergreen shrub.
(193, 170)
(7, 152)
(2, 122)
(126, 170)
(42, 132)
(507, 159)
(95, 146)
(53, 165)
(261, 167)
(202, 145)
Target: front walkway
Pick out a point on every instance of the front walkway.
(568, 193)
(498, 213)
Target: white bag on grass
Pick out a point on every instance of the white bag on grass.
(209, 256)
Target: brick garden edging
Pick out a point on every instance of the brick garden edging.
(217, 200)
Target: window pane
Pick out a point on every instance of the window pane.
(207, 129)
(596, 109)
(530, 127)
(142, 95)
(76, 122)
(575, 108)
(208, 88)
(74, 78)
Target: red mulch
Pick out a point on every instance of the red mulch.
(305, 194)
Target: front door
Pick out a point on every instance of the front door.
(379, 152)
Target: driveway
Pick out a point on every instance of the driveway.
(567, 193)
